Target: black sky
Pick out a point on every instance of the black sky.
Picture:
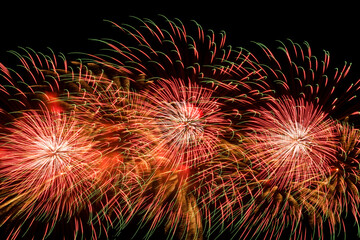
(66, 27)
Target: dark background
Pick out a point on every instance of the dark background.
(66, 27)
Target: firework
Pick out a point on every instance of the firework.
(48, 165)
(55, 161)
(182, 123)
(131, 120)
(287, 152)
(293, 142)
(180, 111)
(300, 76)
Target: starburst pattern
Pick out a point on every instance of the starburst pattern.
(182, 122)
(49, 151)
(292, 140)
(47, 165)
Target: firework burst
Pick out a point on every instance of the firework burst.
(182, 122)
(176, 127)
(57, 160)
(293, 142)
(47, 165)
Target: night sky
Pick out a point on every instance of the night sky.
(67, 27)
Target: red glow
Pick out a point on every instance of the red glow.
(53, 102)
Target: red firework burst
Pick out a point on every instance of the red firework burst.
(292, 141)
(181, 122)
(48, 164)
